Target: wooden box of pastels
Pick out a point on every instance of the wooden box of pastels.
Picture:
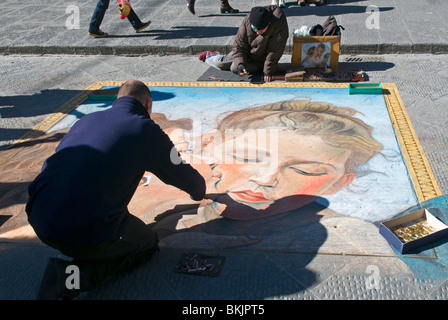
(413, 230)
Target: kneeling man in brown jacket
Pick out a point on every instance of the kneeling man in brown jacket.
(258, 46)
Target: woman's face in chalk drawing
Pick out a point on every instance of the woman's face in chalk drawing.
(275, 168)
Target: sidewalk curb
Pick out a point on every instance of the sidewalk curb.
(196, 49)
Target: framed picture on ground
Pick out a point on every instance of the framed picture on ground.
(316, 52)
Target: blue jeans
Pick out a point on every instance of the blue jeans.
(225, 62)
(99, 12)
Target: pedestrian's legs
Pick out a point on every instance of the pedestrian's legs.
(134, 19)
(136, 23)
(98, 15)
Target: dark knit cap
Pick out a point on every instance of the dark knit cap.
(260, 17)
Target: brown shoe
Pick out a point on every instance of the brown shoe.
(226, 8)
(143, 26)
(229, 9)
(190, 5)
(98, 34)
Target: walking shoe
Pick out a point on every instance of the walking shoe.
(229, 9)
(143, 26)
(226, 8)
(190, 5)
(98, 34)
(204, 55)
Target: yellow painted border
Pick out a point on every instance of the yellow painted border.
(419, 169)
(417, 164)
(57, 116)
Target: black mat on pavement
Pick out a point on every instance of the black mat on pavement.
(216, 75)
(343, 75)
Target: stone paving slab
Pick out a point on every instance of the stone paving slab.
(33, 27)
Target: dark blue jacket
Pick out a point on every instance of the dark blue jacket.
(82, 193)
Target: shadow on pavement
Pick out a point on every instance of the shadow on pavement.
(295, 10)
(184, 32)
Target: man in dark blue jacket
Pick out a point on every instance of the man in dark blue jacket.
(78, 203)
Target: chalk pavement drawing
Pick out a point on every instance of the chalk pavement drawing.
(273, 149)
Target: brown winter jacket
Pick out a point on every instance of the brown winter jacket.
(266, 49)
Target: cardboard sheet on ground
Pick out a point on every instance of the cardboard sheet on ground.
(304, 168)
